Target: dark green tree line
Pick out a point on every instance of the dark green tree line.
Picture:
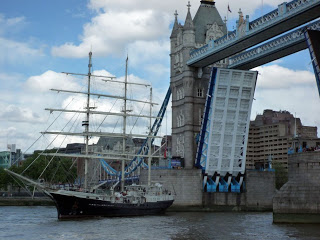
(60, 170)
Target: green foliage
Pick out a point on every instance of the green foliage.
(281, 174)
(58, 171)
(4, 179)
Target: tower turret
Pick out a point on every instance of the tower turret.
(175, 26)
(188, 30)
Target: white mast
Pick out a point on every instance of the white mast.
(149, 142)
(124, 125)
(86, 124)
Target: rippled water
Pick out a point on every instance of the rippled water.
(41, 223)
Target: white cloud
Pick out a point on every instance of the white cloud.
(168, 7)
(277, 77)
(51, 79)
(11, 132)
(14, 51)
(143, 24)
(19, 114)
(280, 88)
(17, 52)
(149, 51)
(11, 24)
(110, 32)
(248, 7)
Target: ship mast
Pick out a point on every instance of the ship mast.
(124, 125)
(123, 156)
(149, 142)
(86, 123)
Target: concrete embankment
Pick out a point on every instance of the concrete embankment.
(25, 201)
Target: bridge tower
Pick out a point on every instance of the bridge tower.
(189, 84)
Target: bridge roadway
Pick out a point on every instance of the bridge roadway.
(287, 17)
(275, 49)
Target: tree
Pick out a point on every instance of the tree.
(4, 179)
(60, 170)
(50, 169)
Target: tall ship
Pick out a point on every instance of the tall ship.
(112, 198)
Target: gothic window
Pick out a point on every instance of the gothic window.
(180, 93)
(200, 92)
(180, 120)
(177, 58)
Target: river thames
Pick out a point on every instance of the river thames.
(41, 223)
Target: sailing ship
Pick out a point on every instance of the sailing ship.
(93, 201)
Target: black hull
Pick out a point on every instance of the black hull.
(69, 207)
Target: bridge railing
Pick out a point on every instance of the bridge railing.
(274, 45)
(284, 10)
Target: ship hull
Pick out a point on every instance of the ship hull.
(70, 207)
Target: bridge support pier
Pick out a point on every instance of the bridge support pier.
(298, 201)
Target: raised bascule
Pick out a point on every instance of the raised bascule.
(223, 140)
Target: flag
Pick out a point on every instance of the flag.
(229, 8)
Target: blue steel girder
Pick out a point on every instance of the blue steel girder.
(313, 41)
(288, 16)
(277, 48)
(206, 122)
(138, 161)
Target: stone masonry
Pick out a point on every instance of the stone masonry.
(188, 84)
(186, 184)
(298, 201)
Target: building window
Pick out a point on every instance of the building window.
(180, 120)
(180, 93)
(200, 92)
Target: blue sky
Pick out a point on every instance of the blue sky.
(39, 39)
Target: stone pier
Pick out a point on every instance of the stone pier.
(186, 184)
(298, 201)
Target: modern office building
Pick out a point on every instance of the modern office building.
(12, 156)
(273, 134)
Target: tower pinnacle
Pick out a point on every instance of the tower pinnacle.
(188, 24)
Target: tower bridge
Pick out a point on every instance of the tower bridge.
(248, 34)
(220, 111)
(280, 47)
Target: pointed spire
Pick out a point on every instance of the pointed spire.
(188, 24)
(175, 25)
(176, 17)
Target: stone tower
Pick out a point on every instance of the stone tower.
(189, 84)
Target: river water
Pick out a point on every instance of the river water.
(41, 223)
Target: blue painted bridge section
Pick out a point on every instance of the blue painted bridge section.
(313, 41)
(139, 160)
(287, 17)
(274, 49)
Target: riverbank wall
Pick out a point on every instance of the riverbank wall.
(298, 201)
(26, 201)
